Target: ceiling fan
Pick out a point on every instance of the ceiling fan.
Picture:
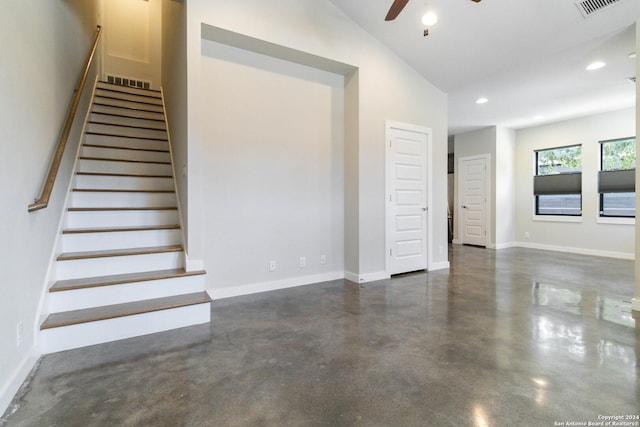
(397, 7)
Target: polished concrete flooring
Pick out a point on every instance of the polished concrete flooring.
(515, 337)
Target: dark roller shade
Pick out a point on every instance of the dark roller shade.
(617, 181)
(564, 183)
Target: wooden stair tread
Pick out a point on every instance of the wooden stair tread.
(137, 208)
(121, 310)
(109, 159)
(113, 190)
(146, 110)
(133, 175)
(115, 135)
(115, 147)
(120, 229)
(118, 252)
(95, 122)
(118, 279)
(118, 88)
(124, 116)
(115, 98)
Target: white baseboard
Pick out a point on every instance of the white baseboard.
(368, 277)
(498, 246)
(580, 251)
(442, 265)
(12, 386)
(456, 242)
(635, 304)
(254, 288)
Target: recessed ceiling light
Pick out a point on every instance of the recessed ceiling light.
(482, 100)
(538, 117)
(595, 65)
(632, 55)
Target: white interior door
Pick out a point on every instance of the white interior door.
(472, 187)
(407, 200)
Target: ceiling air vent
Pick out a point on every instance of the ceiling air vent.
(589, 7)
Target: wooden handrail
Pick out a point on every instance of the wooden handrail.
(47, 188)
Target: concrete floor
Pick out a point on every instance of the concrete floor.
(510, 338)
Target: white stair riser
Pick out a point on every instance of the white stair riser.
(124, 154)
(97, 108)
(123, 182)
(121, 218)
(128, 96)
(84, 334)
(128, 104)
(104, 166)
(126, 131)
(121, 200)
(94, 267)
(82, 242)
(114, 141)
(127, 89)
(79, 299)
(127, 121)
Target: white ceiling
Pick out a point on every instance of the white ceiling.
(528, 57)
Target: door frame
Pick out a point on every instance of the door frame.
(487, 198)
(390, 125)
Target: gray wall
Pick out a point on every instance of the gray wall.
(588, 235)
(39, 69)
(319, 29)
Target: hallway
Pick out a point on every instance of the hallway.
(504, 338)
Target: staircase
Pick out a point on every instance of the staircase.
(121, 271)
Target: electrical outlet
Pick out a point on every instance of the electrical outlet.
(18, 334)
(303, 262)
(526, 235)
(323, 259)
(272, 266)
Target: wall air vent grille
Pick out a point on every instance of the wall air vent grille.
(126, 81)
(589, 7)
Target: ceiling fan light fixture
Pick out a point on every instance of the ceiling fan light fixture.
(482, 100)
(429, 19)
(595, 65)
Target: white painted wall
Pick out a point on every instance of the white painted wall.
(499, 144)
(39, 70)
(273, 164)
(586, 236)
(132, 40)
(476, 143)
(504, 188)
(174, 87)
(636, 299)
(387, 89)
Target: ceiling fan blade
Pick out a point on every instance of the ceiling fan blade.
(395, 9)
(477, 1)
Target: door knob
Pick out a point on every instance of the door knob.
(424, 209)
(463, 206)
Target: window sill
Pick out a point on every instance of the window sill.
(620, 221)
(557, 218)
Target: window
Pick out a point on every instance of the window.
(557, 185)
(617, 177)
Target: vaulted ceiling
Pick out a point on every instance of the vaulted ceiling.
(527, 57)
